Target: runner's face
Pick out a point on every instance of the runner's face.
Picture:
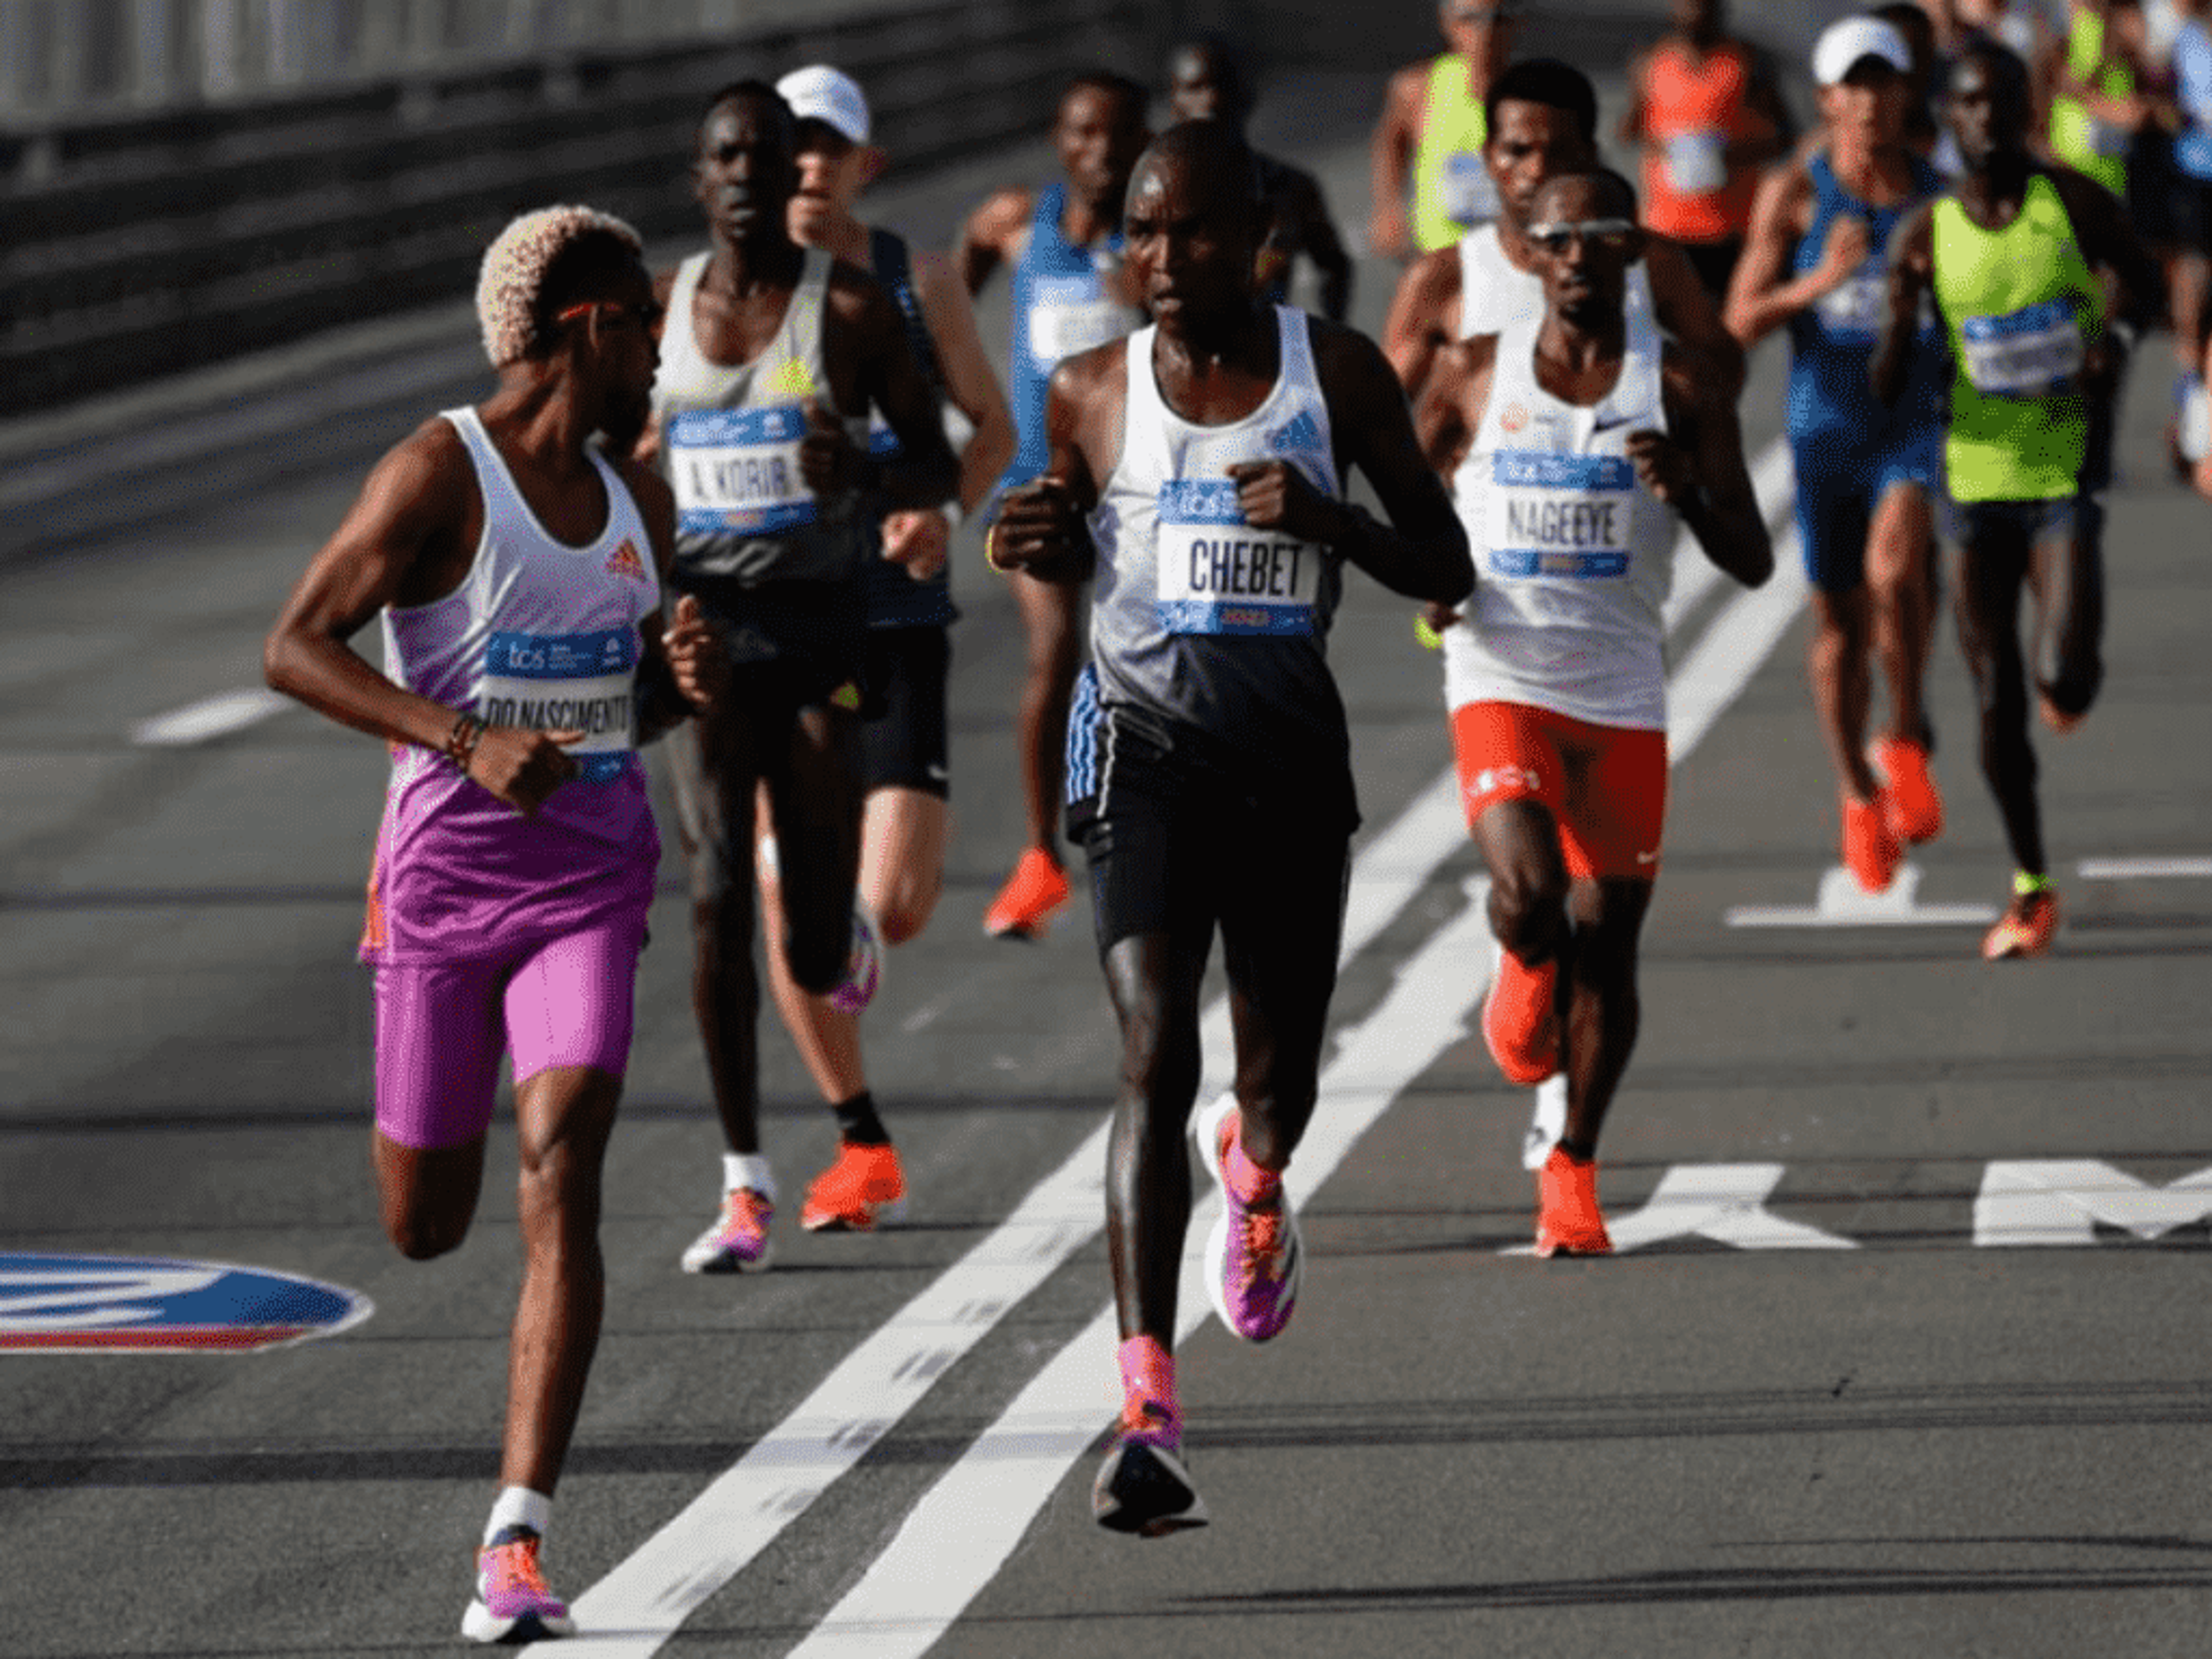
(1191, 250)
(1199, 91)
(831, 174)
(626, 356)
(1531, 144)
(1480, 30)
(1099, 137)
(1988, 116)
(1868, 103)
(1584, 267)
(744, 174)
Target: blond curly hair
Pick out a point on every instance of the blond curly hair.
(512, 275)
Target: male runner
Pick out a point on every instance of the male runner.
(2026, 262)
(1207, 82)
(1868, 478)
(1198, 469)
(1705, 114)
(771, 356)
(1579, 441)
(1430, 135)
(516, 566)
(1063, 243)
(1543, 123)
(905, 774)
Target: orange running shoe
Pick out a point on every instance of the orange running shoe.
(1568, 1220)
(1033, 895)
(864, 1187)
(1520, 1020)
(1910, 805)
(1871, 851)
(2025, 929)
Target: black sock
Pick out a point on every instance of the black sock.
(858, 1124)
(1581, 1151)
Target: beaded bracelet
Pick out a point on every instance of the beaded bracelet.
(461, 742)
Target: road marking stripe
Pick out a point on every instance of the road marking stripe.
(645, 1600)
(963, 1530)
(2148, 869)
(209, 718)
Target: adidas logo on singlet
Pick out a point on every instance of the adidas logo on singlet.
(624, 562)
(1304, 433)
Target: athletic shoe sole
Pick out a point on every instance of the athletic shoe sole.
(480, 1624)
(1144, 1491)
(877, 1216)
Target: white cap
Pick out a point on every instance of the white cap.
(819, 93)
(1841, 45)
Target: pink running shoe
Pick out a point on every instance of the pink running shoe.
(513, 1603)
(1253, 1258)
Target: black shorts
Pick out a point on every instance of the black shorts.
(809, 639)
(2189, 214)
(1184, 835)
(902, 746)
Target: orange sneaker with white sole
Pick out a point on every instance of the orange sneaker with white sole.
(1520, 1020)
(863, 1188)
(1912, 806)
(1568, 1220)
(1871, 850)
(2026, 928)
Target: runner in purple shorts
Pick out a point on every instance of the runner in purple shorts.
(515, 566)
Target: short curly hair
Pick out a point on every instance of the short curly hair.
(511, 286)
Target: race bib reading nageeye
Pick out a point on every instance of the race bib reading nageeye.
(574, 682)
(1697, 162)
(1559, 515)
(2029, 353)
(1218, 575)
(1069, 314)
(1470, 193)
(735, 471)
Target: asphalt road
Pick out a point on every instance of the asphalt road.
(1903, 1352)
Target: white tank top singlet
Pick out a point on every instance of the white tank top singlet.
(1575, 556)
(540, 633)
(1194, 614)
(730, 435)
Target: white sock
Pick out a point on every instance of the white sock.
(748, 1169)
(518, 1506)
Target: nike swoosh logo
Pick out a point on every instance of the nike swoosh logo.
(1597, 427)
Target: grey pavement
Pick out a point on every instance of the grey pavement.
(1922, 1435)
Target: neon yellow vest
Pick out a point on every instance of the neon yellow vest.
(2077, 137)
(2021, 306)
(1452, 191)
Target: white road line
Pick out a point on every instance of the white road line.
(208, 719)
(636, 1608)
(2167, 869)
(1841, 902)
(954, 1541)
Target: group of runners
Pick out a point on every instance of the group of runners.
(716, 502)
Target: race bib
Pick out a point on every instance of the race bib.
(2029, 353)
(1559, 515)
(1697, 162)
(1851, 313)
(735, 471)
(1068, 315)
(576, 682)
(1218, 575)
(1470, 193)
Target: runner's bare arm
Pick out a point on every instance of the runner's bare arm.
(969, 381)
(1686, 312)
(991, 236)
(1911, 277)
(926, 473)
(1699, 471)
(1041, 529)
(1763, 294)
(1421, 551)
(1390, 160)
(1423, 316)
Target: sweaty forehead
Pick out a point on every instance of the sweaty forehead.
(1526, 123)
(747, 119)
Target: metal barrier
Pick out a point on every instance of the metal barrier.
(133, 246)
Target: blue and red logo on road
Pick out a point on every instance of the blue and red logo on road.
(154, 1303)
